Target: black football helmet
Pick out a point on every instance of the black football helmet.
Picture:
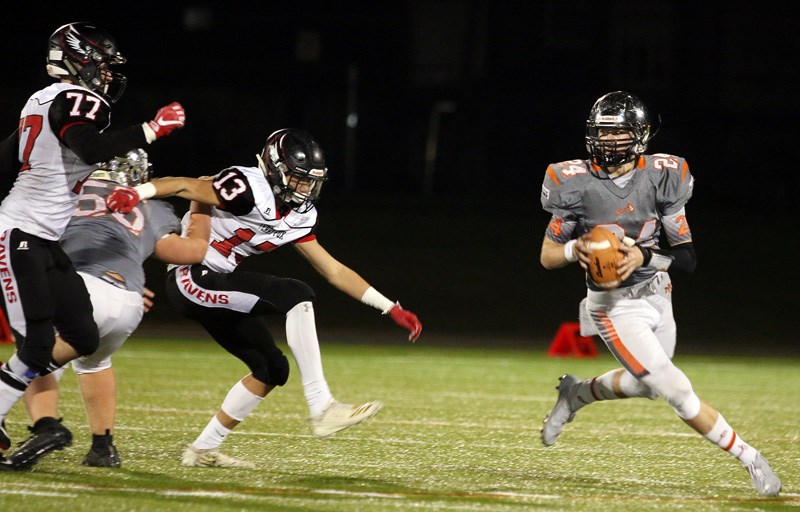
(621, 111)
(84, 53)
(292, 159)
(129, 170)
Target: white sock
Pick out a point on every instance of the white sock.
(212, 436)
(9, 395)
(722, 435)
(603, 387)
(301, 334)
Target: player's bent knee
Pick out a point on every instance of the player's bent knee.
(296, 292)
(81, 335)
(671, 383)
(279, 369)
(276, 373)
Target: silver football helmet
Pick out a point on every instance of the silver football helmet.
(129, 170)
(622, 112)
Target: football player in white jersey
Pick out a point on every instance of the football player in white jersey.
(636, 196)
(257, 210)
(108, 250)
(62, 135)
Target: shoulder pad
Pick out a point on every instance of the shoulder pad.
(673, 181)
(234, 191)
(561, 172)
(562, 185)
(78, 105)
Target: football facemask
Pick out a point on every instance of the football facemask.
(129, 170)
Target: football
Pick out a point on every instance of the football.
(605, 254)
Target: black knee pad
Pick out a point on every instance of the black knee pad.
(35, 349)
(82, 335)
(296, 292)
(276, 373)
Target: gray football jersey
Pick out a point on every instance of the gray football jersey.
(580, 197)
(99, 241)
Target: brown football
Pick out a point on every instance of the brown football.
(604, 246)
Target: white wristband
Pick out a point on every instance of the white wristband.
(568, 254)
(374, 298)
(149, 133)
(145, 191)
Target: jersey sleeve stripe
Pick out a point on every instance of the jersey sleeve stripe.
(67, 127)
(684, 170)
(306, 238)
(552, 174)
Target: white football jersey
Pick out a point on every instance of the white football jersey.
(47, 188)
(248, 221)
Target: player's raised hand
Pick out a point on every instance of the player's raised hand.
(407, 320)
(167, 119)
(122, 199)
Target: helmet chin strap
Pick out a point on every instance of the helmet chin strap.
(261, 164)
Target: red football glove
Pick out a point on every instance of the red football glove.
(122, 199)
(167, 119)
(407, 320)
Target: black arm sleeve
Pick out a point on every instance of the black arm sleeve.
(92, 147)
(682, 255)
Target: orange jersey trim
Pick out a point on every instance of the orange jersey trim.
(684, 170)
(552, 174)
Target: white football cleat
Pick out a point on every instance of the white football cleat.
(338, 416)
(764, 479)
(562, 412)
(211, 457)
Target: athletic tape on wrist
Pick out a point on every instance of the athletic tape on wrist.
(149, 133)
(145, 191)
(374, 298)
(568, 251)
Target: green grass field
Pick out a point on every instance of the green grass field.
(459, 432)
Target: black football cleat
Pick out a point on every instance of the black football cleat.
(103, 457)
(6, 465)
(48, 434)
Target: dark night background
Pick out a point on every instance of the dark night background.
(502, 88)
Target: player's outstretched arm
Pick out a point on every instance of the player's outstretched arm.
(124, 199)
(352, 284)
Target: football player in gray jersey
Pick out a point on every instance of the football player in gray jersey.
(258, 209)
(639, 198)
(61, 136)
(108, 250)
